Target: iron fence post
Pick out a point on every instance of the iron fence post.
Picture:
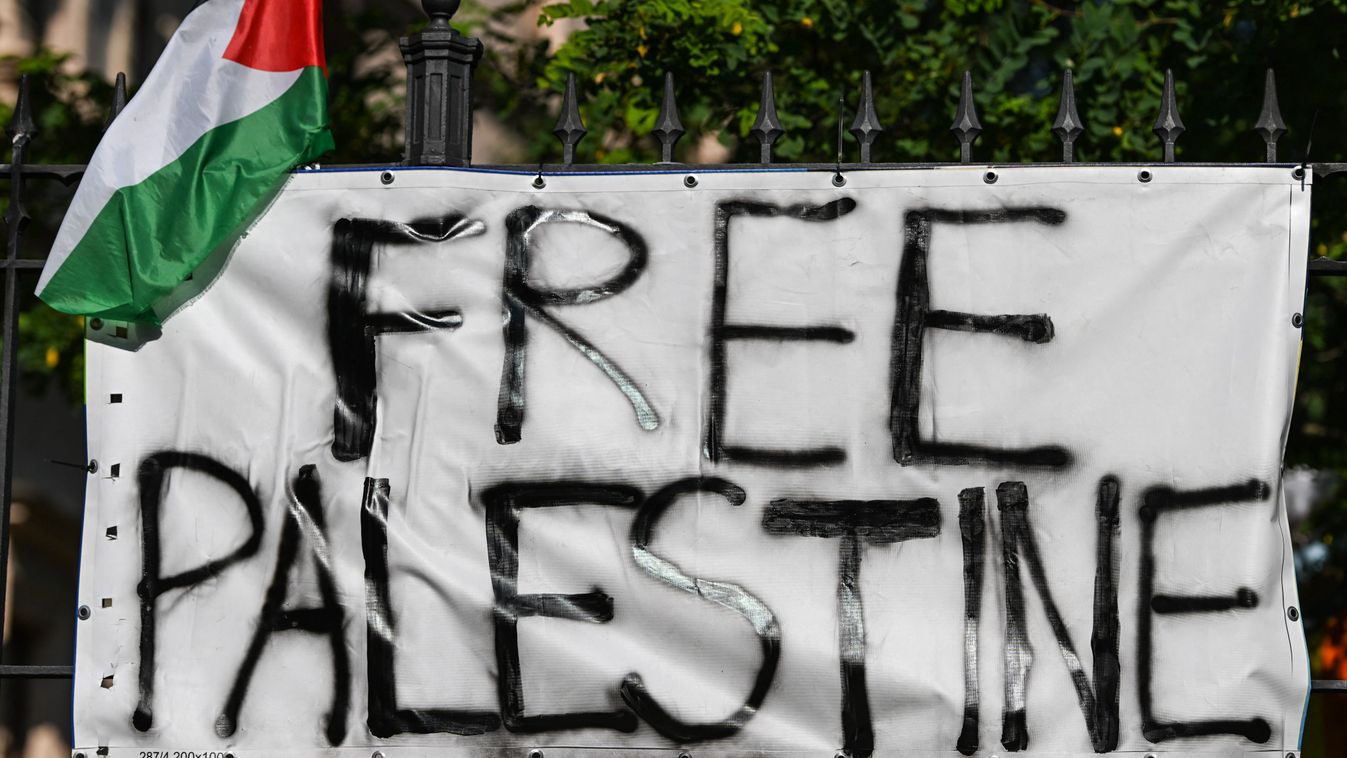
(440, 64)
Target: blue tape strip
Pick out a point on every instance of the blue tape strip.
(534, 172)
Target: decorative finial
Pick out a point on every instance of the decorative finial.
(118, 100)
(1168, 126)
(767, 129)
(570, 128)
(668, 128)
(1270, 125)
(966, 126)
(866, 126)
(1067, 126)
(440, 11)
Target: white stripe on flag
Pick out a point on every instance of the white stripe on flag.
(191, 90)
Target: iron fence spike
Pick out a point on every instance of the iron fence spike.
(118, 100)
(1067, 126)
(767, 128)
(1270, 125)
(668, 128)
(570, 128)
(21, 126)
(866, 127)
(1168, 125)
(966, 125)
(21, 132)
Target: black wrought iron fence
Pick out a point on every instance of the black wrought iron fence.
(440, 63)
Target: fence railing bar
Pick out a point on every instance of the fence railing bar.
(1067, 126)
(570, 128)
(966, 126)
(866, 127)
(1168, 125)
(37, 672)
(1327, 267)
(21, 131)
(1270, 125)
(668, 127)
(22, 263)
(684, 168)
(1328, 687)
(66, 173)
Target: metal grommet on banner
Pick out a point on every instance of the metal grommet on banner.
(990, 177)
(84, 613)
(1293, 613)
(1143, 176)
(386, 177)
(839, 180)
(95, 324)
(1297, 320)
(689, 181)
(377, 754)
(535, 753)
(538, 181)
(1298, 173)
(685, 754)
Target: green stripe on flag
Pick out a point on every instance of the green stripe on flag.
(152, 235)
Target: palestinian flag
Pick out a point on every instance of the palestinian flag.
(238, 98)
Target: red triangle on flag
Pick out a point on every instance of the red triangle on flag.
(279, 35)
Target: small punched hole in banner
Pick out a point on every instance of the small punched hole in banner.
(111, 532)
(115, 397)
(107, 682)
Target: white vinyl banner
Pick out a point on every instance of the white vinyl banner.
(737, 463)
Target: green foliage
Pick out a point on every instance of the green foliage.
(917, 49)
(366, 98)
